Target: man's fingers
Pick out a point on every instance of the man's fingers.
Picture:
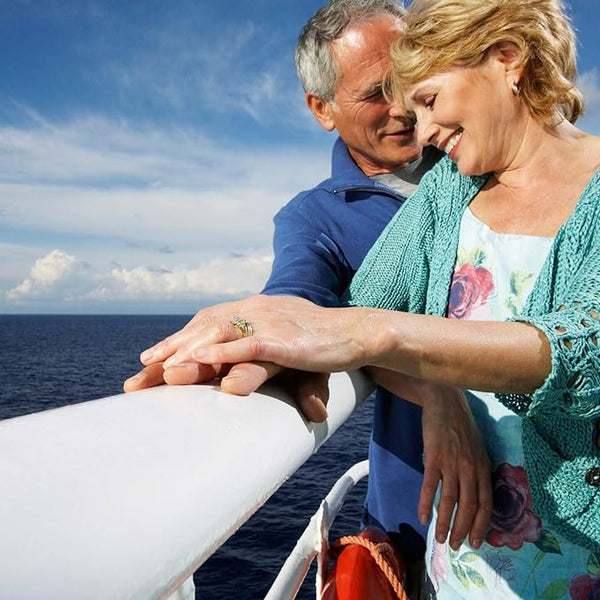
(309, 390)
(245, 378)
(190, 373)
(431, 479)
(447, 503)
(311, 393)
(148, 377)
(481, 522)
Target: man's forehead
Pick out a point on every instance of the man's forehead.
(352, 38)
(365, 44)
(355, 34)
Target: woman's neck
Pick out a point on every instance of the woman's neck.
(539, 189)
(549, 155)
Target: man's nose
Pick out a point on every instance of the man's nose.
(397, 110)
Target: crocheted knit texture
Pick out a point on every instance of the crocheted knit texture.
(410, 269)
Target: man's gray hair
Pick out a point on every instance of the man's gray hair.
(316, 66)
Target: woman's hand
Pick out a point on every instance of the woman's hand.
(310, 391)
(288, 331)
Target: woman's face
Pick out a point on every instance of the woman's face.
(472, 115)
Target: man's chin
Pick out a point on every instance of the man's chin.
(404, 154)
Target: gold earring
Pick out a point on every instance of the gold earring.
(516, 90)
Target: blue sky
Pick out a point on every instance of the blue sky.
(146, 145)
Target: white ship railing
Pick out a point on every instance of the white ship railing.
(314, 542)
(125, 497)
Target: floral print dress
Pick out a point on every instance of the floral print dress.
(521, 557)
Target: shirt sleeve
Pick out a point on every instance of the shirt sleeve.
(307, 262)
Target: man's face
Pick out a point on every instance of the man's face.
(379, 134)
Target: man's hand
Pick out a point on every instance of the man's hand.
(456, 455)
(182, 374)
(310, 391)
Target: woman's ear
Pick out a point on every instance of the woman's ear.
(508, 53)
(509, 57)
(322, 110)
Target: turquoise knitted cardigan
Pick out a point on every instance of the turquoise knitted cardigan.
(410, 269)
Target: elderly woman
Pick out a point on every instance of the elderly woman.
(499, 252)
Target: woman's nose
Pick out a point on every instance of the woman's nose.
(426, 130)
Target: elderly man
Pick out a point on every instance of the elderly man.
(321, 237)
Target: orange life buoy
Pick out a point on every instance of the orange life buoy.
(365, 566)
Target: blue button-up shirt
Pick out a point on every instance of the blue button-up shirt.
(321, 237)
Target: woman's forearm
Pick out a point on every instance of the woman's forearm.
(292, 332)
(493, 356)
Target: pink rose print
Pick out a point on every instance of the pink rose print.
(439, 568)
(513, 521)
(471, 287)
(585, 587)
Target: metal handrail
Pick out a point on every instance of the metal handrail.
(314, 541)
(126, 496)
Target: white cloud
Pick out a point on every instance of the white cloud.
(166, 188)
(50, 275)
(239, 66)
(91, 150)
(61, 277)
(139, 213)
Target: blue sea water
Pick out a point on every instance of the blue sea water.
(54, 360)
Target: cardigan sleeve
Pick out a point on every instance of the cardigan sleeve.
(394, 274)
(573, 331)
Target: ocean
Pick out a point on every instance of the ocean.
(54, 360)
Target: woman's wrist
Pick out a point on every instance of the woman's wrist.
(382, 333)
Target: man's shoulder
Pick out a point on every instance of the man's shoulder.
(324, 193)
(339, 200)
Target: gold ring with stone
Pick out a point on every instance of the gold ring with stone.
(242, 326)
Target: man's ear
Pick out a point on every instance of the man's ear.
(322, 110)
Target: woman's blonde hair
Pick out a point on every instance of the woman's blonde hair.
(443, 34)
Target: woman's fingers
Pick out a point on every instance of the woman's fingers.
(431, 480)
(248, 349)
(289, 331)
(446, 505)
(203, 320)
(483, 515)
(219, 332)
(466, 509)
(455, 454)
